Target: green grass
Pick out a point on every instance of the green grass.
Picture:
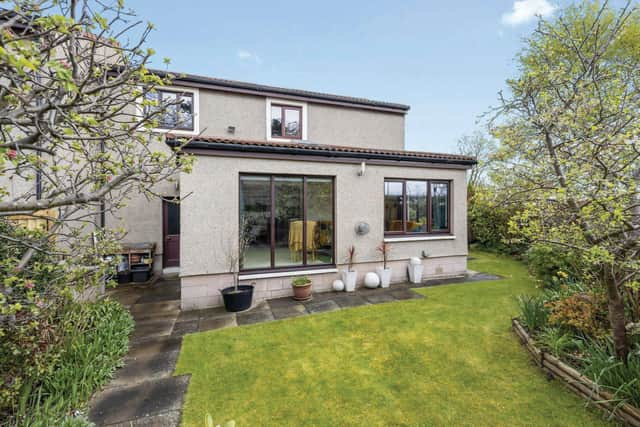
(448, 359)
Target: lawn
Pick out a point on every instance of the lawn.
(448, 359)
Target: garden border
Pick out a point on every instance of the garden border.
(578, 383)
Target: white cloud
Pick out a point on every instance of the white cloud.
(526, 10)
(245, 55)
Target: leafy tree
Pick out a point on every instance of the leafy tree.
(76, 142)
(569, 134)
(482, 148)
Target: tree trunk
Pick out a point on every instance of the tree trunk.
(617, 319)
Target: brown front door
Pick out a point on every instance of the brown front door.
(171, 233)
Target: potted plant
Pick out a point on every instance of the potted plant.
(384, 272)
(349, 275)
(238, 297)
(301, 288)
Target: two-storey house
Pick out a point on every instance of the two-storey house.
(307, 175)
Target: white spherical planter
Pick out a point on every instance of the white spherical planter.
(371, 280)
(338, 285)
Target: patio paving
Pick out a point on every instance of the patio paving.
(144, 391)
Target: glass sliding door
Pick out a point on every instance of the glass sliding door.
(289, 244)
(319, 221)
(291, 221)
(255, 218)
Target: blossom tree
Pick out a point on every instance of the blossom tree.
(569, 130)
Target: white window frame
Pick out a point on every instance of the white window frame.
(196, 110)
(303, 105)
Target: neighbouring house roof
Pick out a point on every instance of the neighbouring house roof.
(264, 90)
(201, 144)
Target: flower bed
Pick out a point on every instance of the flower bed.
(578, 383)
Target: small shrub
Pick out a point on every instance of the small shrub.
(300, 281)
(582, 313)
(533, 312)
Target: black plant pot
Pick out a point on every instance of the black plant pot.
(237, 300)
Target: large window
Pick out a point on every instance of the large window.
(178, 113)
(288, 221)
(416, 206)
(286, 121)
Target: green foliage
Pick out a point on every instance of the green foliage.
(552, 265)
(93, 340)
(533, 312)
(301, 281)
(619, 378)
(556, 341)
(488, 219)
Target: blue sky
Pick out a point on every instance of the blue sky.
(448, 60)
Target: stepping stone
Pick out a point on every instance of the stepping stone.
(285, 312)
(154, 346)
(380, 297)
(321, 306)
(182, 328)
(146, 399)
(146, 368)
(251, 317)
(217, 323)
(167, 419)
(481, 277)
(405, 294)
(350, 300)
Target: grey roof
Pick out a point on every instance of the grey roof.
(274, 90)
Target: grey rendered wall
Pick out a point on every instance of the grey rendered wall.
(325, 124)
(209, 220)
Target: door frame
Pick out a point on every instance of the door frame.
(165, 228)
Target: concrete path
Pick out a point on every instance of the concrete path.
(144, 391)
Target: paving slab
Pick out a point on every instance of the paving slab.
(350, 300)
(251, 317)
(287, 311)
(284, 302)
(380, 297)
(146, 368)
(153, 346)
(152, 328)
(217, 323)
(322, 306)
(404, 294)
(214, 312)
(186, 327)
(167, 419)
(162, 291)
(153, 309)
(117, 405)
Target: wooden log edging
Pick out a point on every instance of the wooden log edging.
(575, 381)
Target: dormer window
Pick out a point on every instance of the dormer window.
(286, 121)
(179, 109)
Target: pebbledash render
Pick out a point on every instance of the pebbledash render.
(305, 175)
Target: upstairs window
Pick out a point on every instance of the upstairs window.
(416, 206)
(286, 121)
(178, 114)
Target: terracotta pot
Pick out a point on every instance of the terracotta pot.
(302, 293)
